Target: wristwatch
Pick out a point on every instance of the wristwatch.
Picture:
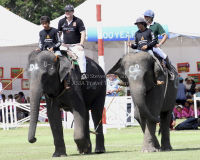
(82, 45)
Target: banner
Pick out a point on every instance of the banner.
(116, 33)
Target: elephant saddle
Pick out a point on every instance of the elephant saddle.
(166, 66)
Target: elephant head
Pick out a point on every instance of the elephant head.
(45, 75)
(141, 71)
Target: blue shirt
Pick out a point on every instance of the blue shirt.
(181, 95)
(112, 85)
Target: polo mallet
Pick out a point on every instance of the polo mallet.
(128, 42)
(12, 80)
(128, 35)
(94, 132)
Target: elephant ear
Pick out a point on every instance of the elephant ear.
(117, 68)
(158, 70)
(64, 67)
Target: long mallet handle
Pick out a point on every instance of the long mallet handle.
(128, 43)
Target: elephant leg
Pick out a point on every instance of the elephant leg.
(97, 117)
(150, 143)
(55, 121)
(165, 123)
(79, 113)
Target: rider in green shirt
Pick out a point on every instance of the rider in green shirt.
(158, 30)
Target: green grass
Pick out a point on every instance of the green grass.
(120, 145)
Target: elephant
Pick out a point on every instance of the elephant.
(153, 103)
(46, 74)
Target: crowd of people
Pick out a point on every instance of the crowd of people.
(184, 107)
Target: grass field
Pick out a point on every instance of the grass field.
(120, 145)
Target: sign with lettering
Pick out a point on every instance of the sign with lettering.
(116, 33)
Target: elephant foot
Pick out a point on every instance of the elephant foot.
(87, 150)
(99, 151)
(166, 148)
(57, 154)
(150, 149)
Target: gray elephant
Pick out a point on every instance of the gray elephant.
(46, 76)
(151, 101)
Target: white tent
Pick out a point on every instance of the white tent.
(180, 16)
(15, 30)
(18, 37)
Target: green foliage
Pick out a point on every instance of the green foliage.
(32, 10)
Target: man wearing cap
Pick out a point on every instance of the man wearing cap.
(73, 31)
(158, 30)
(145, 41)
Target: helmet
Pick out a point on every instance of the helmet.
(149, 13)
(140, 20)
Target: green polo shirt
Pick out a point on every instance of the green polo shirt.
(157, 30)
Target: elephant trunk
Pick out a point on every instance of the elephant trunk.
(34, 111)
(138, 95)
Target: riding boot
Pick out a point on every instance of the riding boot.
(168, 64)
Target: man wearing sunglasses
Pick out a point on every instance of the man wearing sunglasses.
(73, 31)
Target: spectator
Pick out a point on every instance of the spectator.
(10, 96)
(197, 92)
(191, 91)
(22, 96)
(187, 85)
(179, 113)
(181, 95)
(112, 85)
(17, 98)
(3, 97)
(186, 107)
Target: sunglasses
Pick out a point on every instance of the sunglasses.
(68, 11)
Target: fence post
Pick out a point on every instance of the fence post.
(15, 113)
(11, 112)
(64, 118)
(195, 106)
(6, 106)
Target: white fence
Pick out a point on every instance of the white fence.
(120, 113)
(195, 105)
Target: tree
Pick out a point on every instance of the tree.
(32, 10)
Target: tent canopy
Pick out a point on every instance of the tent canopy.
(16, 31)
(181, 17)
